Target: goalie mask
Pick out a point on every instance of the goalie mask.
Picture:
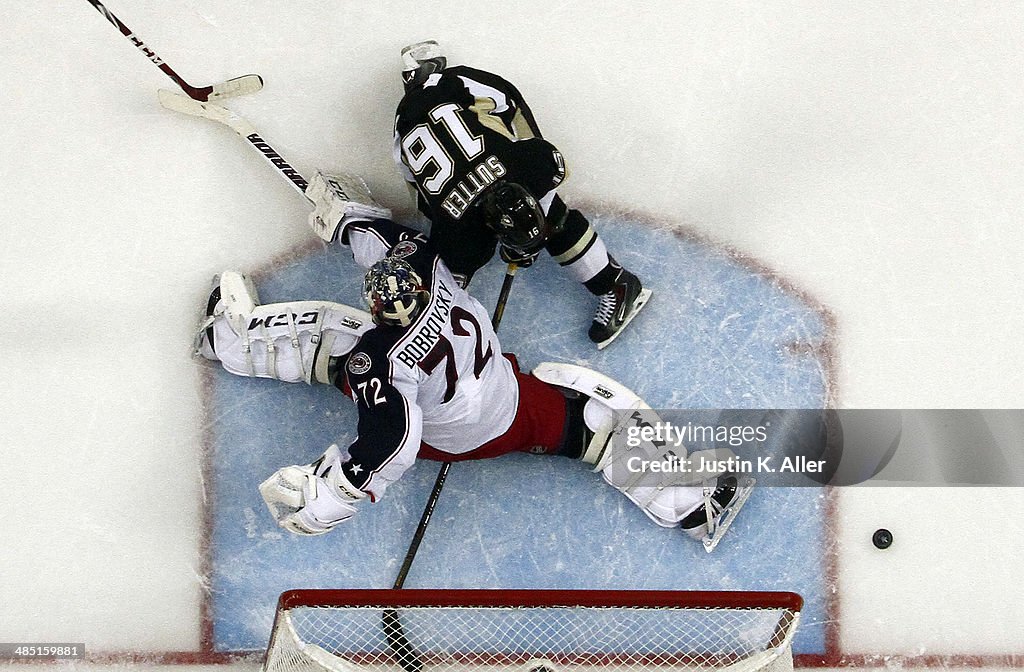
(394, 292)
(515, 215)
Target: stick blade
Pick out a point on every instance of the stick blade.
(196, 108)
(180, 103)
(239, 86)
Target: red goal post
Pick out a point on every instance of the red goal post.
(415, 630)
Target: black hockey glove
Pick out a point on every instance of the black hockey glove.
(521, 259)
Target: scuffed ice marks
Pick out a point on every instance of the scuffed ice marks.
(715, 335)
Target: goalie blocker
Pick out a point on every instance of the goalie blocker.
(338, 200)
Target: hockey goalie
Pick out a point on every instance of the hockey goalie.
(429, 379)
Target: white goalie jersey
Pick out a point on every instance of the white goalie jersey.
(438, 386)
(441, 380)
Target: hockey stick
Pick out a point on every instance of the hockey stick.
(233, 87)
(506, 288)
(196, 108)
(428, 510)
(393, 630)
(392, 626)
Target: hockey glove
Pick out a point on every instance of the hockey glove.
(521, 259)
(337, 200)
(311, 499)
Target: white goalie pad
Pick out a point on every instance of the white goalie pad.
(339, 199)
(238, 296)
(602, 413)
(291, 342)
(666, 496)
(626, 445)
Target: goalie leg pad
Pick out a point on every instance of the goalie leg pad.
(603, 412)
(614, 413)
(667, 498)
(291, 342)
(666, 506)
(239, 295)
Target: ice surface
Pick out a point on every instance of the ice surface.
(524, 521)
(869, 154)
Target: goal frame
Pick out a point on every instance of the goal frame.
(788, 604)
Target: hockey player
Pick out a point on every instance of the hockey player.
(469, 143)
(428, 377)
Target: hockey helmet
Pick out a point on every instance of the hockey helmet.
(421, 60)
(394, 292)
(515, 215)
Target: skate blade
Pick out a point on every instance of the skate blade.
(200, 336)
(206, 320)
(641, 300)
(711, 540)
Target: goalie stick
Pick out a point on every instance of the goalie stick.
(237, 86)
(407, 657)
(393, 630)
(222, 115)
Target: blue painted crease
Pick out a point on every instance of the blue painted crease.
(715, 335)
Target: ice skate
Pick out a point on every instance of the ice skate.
(711, 520)
(241, 298)
(202, 344)
(617, 308)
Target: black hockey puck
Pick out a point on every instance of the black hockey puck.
(882, 538)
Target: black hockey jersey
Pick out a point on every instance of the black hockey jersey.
(455, 135)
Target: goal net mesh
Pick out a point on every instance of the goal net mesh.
(563, 636)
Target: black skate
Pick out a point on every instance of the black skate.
(618, 308)
(709, 522)
(241, 295)
(202, 344)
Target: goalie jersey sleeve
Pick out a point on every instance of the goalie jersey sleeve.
(371, 241)
(390, 421)
(442, 380)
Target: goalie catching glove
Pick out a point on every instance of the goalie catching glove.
(338, 200)
(311, 499)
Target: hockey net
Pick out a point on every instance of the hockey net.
(531, 631)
